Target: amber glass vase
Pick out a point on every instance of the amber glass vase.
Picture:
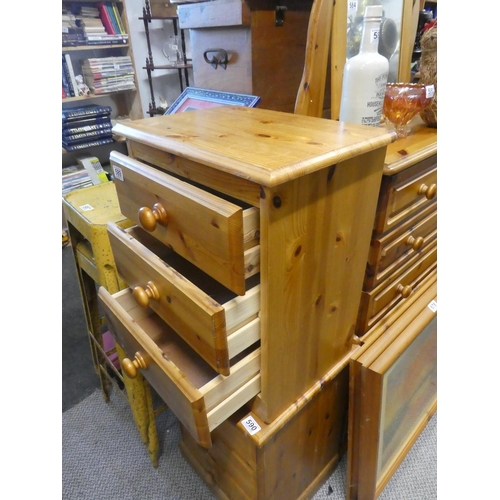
(403, 101)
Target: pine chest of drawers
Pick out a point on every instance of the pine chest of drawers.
(403, 249)
(245, 267)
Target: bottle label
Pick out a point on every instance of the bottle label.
(375, 103)
(374, 35)
(352, 6)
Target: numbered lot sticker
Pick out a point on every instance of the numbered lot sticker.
(429, 91)
(117, 173)
(250, 425)
(86, 208)
(433, 306)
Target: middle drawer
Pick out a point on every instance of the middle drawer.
(213, 320)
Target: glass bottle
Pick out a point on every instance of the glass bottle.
(365, 76)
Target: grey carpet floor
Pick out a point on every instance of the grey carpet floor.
(103, 458)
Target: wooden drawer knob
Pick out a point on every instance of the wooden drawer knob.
(415, 243)
(404, 291)
(142, 296)
(149, 218)
(130, 367)
(428, 191)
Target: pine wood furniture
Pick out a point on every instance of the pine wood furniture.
(276, 351)
(262, 42)
(403, 249)
(393, 391)
(87, 213)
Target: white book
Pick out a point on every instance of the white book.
(71, 74)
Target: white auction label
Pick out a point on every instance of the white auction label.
(352, 6)
(250, 425)
(433, 306)
(429, 91)
(86, 208)
(117, 173)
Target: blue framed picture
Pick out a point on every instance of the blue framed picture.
(193, 98)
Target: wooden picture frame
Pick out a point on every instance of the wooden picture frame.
(393, 394)
(193, 98)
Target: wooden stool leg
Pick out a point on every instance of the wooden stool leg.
(141, 403)
(91, 305)
(153, 443)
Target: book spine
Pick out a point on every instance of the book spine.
(106, 20)
(66, 80)
(68, 114)
(85, 145)
(71, 74)
(68, 132)
(113, 18)
(75, 138)
(82, 125)
(118, 18)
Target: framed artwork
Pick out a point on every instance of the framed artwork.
(393, 394)
(193, 98)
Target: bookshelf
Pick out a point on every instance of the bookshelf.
(164, 11)
(125, 103)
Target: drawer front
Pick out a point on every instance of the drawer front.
(208, 231)
(377, 302)
(391, 252)
(237, 42)
(405, 194)
(197, 307)
(199, 397)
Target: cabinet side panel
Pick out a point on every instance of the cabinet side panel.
(294, 460)
(315, 234)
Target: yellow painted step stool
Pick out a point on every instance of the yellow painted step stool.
(87, 213)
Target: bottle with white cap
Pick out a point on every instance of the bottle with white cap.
(365, 76)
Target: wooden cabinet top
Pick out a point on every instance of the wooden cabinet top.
(263, 146)
(419, 145)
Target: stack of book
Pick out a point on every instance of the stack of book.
(109, 74)
(86, 126)
(72, 35)
(92, 24)
(75, 177)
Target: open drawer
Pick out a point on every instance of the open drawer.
(220, 236)
(200, 397)
(213, 320)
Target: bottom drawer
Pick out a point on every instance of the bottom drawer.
(200, 397)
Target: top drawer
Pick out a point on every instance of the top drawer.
(218, 236)
(404, 194)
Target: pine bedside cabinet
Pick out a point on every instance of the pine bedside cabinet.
(245, 269)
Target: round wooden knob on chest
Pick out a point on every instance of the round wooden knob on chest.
(130, 367)
(142, 296)
(404, 291)
(415, 243)
(428, 191)
(150, 217)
